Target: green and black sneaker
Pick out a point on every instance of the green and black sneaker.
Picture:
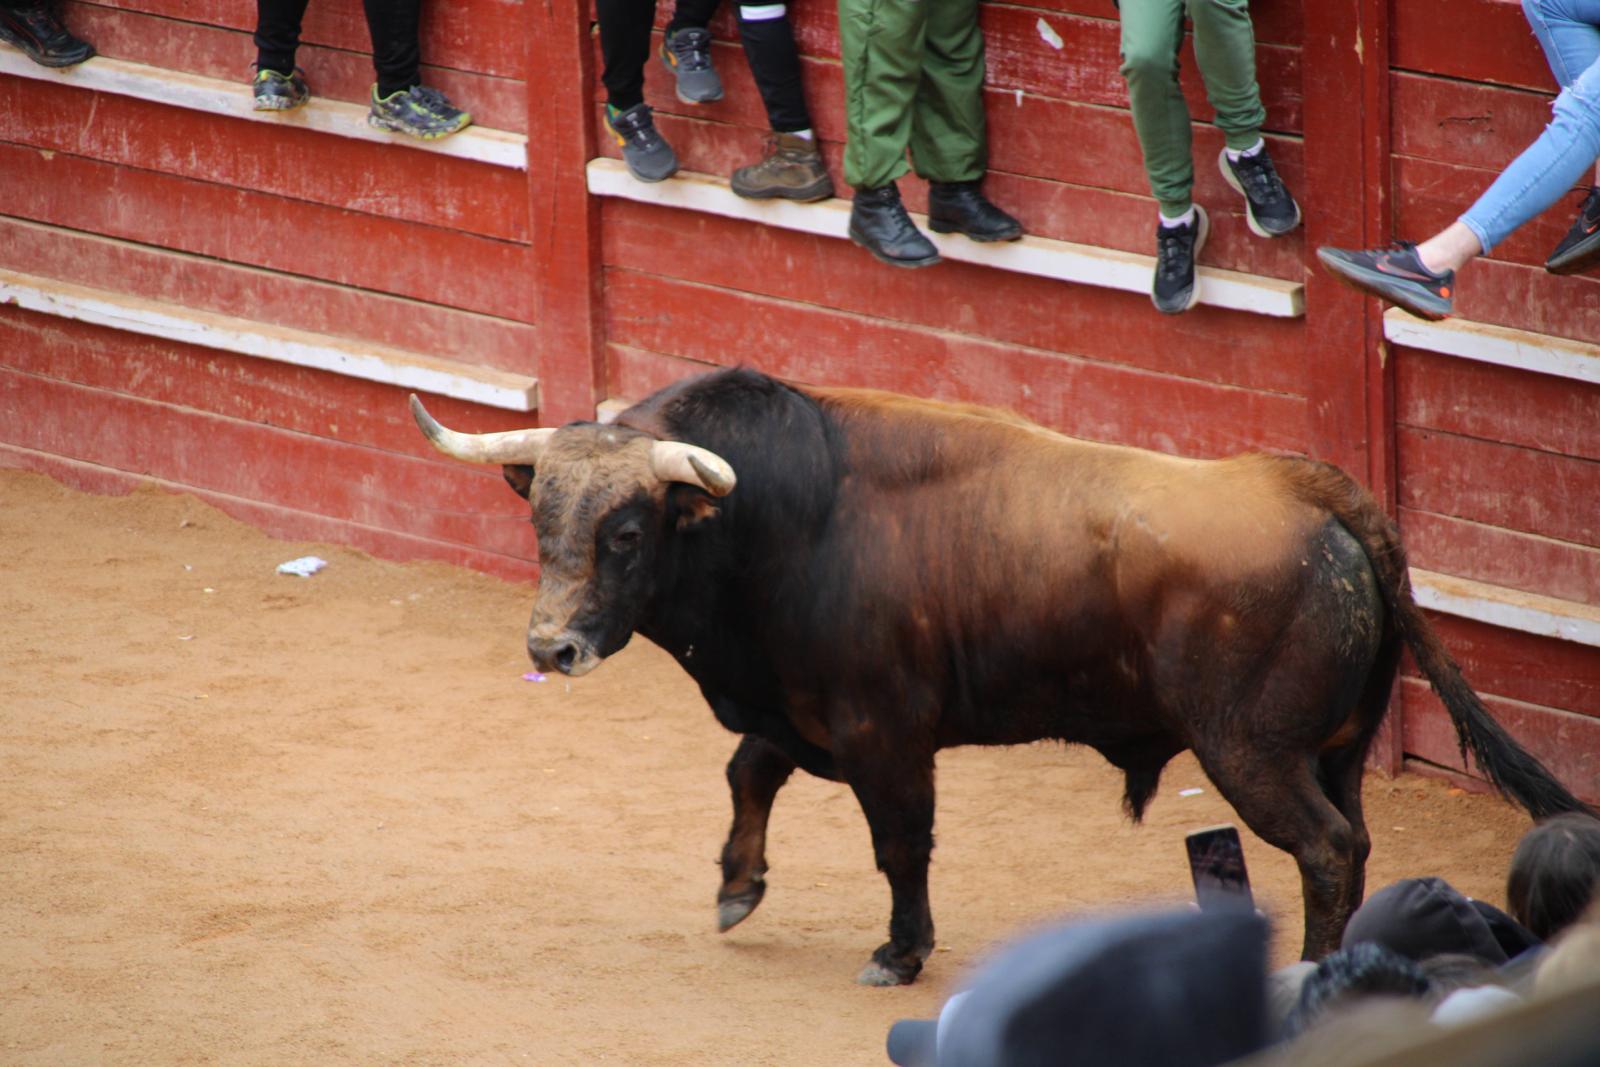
(418, 112)
(275, 91)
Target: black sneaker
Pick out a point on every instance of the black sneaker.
(1175, 289)
(1397, 275)
(1580, 248)
(648, 155)
(687, 53)
(1269, 209)
(36, 30)
(272, 91)
(419, 112)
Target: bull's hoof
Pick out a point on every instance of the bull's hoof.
(734, 908)
(885, 970)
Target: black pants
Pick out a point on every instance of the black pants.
(393, 25)
(764, 30)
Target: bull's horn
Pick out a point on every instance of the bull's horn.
(510, 446)
(674, 461)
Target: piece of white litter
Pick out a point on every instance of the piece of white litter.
(1190, 792)
(1050, 36)
(1019, 97)
(533, 676)
(305, 566)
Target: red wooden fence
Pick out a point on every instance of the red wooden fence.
(192, 286)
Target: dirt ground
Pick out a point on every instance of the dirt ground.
(248, 818)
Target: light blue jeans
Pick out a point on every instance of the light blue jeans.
(1569, 30)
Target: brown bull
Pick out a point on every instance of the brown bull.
(857, 580)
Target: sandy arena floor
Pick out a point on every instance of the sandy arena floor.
(255, 819)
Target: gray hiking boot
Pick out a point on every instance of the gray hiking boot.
(792, 170)
(687, 53)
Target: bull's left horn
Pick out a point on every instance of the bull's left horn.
(509, 446)
(674, 461)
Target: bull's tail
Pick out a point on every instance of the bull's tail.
(1509, 767)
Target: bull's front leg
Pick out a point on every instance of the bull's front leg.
(895, 789)
(756, 772)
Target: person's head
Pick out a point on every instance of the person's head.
(1354, 976)
(1422, 917)
(1554, 873)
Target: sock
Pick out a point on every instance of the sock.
(806, 135)
(1254, 150)
(1186, 219)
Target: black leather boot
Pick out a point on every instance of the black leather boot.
(879, 223)
(959, 207)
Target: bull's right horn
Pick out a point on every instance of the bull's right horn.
(675, 461)
(509, 446)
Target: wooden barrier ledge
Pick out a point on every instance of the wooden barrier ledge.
(1522, 349)
(197, 93)
(1062, 260)
(337, 355)
(1513, 609)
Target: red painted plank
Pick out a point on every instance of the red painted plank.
(380, 179)
(342, 480)
(1500, 485)
(285, 523)
(266, 296)
(1533, 410)
(1489, 41)
(1430, 196)
(214, 52)
(1250, 351)
(1462, 123)
(259, 229)
(1568, 745)
(239, 387)
(1529, 298)
(813, 344)
(1502, 557)
(634, 373)
(475, 35)
(1538, 670)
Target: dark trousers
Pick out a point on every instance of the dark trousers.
(764, 30)
(393, 25)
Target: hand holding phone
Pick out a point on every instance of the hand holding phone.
(1216, 862)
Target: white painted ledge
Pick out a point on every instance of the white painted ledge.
(1062, 260)
(1523, 349)
(1511, 608)
(216, 97)
(174, 322)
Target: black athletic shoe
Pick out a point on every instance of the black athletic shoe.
(1175, 289)
(879, 223)
(420, 112)
(648, 155)
(687, 53)
(1395, 274)
(1269, 209)
(273, 91)
(1580, 248)
(36, 30)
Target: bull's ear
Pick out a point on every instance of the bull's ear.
(692, 506)
(519, 477)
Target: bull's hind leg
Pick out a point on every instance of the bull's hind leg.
(756, 772)
(1283, 802)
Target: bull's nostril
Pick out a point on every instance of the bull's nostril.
(565, 656)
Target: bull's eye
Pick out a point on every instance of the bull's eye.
(625, 540)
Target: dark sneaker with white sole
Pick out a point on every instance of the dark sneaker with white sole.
(419, 112)
(1580, 248)
(687, 53)
(1394, 274)
(1175, 288)
(648, 155)
(37, 30)
(272, 90)
(1269, 209)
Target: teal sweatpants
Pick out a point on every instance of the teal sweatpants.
(1224, 50)
(913, 78)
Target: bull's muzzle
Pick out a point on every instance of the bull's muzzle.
(562, 651)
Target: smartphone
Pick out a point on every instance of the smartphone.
(1216, 861)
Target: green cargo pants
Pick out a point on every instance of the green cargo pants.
(1224, 50)
(913, 78)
